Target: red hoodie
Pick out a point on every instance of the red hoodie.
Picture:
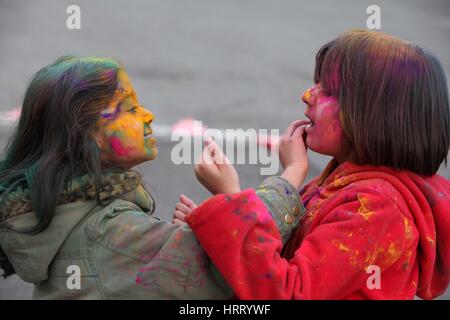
(368, 233)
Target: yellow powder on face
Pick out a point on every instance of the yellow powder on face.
(307, 95)
(129, 127)
(131, 138)
(123, 126)
(363, 211)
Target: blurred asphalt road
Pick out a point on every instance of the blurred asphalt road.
(231, 64)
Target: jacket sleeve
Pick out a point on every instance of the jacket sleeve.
(283, 203)
(138, 256)
(357, 229)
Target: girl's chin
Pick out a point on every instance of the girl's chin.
(138, 160)
(152, 153)
(309, 140)
(150, 140)
(314, 144)
(320, 149)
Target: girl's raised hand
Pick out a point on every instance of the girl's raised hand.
(293, 153)
(215, 172)
(183, 208)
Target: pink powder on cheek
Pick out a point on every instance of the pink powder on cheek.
(331, 128)
(117, 147)
(326, 135)
(328, 102)
(332, 132)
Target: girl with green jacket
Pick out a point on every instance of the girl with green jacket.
(75, 220)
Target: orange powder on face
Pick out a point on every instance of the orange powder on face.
(125, 127)
(307, 95)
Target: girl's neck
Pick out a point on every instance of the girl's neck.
(340, 159)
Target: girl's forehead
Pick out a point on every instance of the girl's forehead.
(124, 87)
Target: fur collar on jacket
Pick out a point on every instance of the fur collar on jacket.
(114, 185)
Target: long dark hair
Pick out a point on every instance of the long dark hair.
(393, 98)
(53, 141)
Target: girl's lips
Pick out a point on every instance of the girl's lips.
(312, 122)
(148, 136)
(150, 139)
(310, 126)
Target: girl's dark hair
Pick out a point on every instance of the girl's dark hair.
(53, 141)
(393, 98)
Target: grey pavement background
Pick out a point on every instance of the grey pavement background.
(231, 64)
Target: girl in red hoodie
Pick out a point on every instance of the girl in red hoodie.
(377, 220)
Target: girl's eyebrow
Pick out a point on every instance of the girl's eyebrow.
(131, 104)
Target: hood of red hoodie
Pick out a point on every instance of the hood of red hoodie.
(428, 200)
(431, 213)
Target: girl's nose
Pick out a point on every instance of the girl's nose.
(148, 115)
(306, 97)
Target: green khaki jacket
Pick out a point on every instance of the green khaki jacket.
(120, 250)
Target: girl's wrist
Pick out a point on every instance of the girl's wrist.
(295, 175)
(226, 189)
(235, 189)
